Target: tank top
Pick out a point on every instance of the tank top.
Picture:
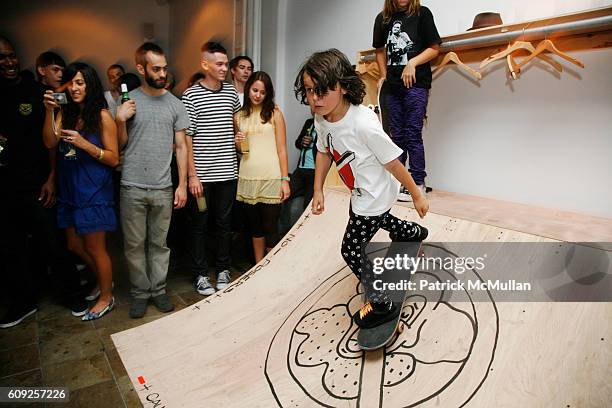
(259, 174)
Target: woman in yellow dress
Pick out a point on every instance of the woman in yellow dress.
(263, 181)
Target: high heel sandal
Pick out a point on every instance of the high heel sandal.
(96, 315)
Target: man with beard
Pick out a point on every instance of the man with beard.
(213, 165)
(25, 204)
(241, 68)
(147, 126)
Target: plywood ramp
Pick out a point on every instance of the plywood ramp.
(281, 336)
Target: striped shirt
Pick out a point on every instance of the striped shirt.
(211, 117)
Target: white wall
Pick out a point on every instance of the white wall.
(192, 23)
(98, 32)
(542, 140)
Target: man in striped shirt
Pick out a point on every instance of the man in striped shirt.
(213, 166)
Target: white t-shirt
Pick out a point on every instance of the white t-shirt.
(360, 148)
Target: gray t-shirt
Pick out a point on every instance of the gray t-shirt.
(148, 152)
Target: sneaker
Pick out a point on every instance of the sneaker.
(204, 287)
(404, 195)
(14, 316)
(423, 189)
(374, 314)
(223, 279)
(163, 303)
(138, 308)
(78, 307)
(416, 233)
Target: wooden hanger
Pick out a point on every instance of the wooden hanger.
(451, 56)
(548, 45)
(512, 66)
(520, 45)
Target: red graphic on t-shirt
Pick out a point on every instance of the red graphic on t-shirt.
(343, 165)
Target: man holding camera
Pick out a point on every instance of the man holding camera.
(25, 206)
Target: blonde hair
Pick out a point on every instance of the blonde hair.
(391, 7)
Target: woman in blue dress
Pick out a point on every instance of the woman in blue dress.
(86, 135)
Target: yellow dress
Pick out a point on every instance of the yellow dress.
(259, 175)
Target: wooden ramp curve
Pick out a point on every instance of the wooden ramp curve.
(281, 336)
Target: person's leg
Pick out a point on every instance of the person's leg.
(259, 248)
(358, 233)
(403, 230)
(74, 244)
(395, 114)
(197, 241)
(17, 280)
(378, 308)
(134, 209)
(255, 229)
(224, 195)
(415, 101)
(270, 213)
(95, 245)
(55, 252)
(158, 253)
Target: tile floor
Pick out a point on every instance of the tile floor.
(53, 348)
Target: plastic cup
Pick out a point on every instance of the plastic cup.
(244, 145)
(201, 203)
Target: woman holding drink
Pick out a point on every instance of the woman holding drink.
(263, 183)
(85, 205)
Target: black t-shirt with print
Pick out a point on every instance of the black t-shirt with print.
(25, 158)
(406, 37)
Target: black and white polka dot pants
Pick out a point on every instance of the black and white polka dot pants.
(358, 234)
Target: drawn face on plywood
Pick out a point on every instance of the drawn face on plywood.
(443, 355)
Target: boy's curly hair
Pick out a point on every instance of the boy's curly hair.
(327, 69)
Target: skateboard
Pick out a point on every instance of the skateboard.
(380, 336)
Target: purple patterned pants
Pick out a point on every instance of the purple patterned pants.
(405, 113)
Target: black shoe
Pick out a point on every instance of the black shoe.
(416, 233)
(78, 307)
(15, 316)
(163, 303)
(138, 308)
(374, 314)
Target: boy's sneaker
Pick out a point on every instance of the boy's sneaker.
(374, 314)
(223, 279)
(416, 233)
(204, 287)
(404, 195)
(15, 316)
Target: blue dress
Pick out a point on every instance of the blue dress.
(85, 191)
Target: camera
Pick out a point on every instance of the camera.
(60, 98)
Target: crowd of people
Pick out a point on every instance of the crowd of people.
(77, 162)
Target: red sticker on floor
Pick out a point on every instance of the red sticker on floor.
(141, 379)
